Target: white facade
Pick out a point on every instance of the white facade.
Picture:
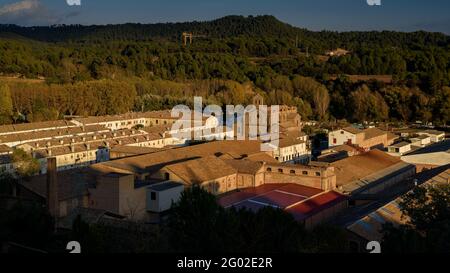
(340, 137)
(435, 136)
(421, 141)
(297, 153)
(160, 197)
(399, 149)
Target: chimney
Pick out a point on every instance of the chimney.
(52, 188)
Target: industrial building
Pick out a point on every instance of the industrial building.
(310, 206)
(370, 173)
(369, 227)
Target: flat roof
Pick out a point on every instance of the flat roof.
(401, 144)
(437, 159)
(165, 186)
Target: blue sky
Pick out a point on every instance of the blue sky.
(341, 15)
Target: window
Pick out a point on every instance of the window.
(167, 176)
(305, 172)
(334, 140)
(292, 171)
(317, 173)
(153, 196)
(280, 170)
(269, 169)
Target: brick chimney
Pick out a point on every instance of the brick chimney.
(52, 188)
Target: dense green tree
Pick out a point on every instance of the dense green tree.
(25, 164)
(428, 227)
(368, 105)
(198, 224)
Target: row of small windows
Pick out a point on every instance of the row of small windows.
(293, 171)
(137, 122)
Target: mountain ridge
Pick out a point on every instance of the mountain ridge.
(262, 26)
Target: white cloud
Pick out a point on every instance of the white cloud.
(32, 12)
(20, 7)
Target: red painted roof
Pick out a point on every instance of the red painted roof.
(300, 201)
(315, 205)
(279, 195)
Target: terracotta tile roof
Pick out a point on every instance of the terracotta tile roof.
(262, 157)
(36, 126)
(245, 166)
(391, 136)
(352, 130)
(5, 149)
(136, 150)
(288, 142)
(164, 114)
(155, 161)
(372, 133)
(359, 166)
(201, 170)
(53, 133)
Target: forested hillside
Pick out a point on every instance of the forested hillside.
(234, 57)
